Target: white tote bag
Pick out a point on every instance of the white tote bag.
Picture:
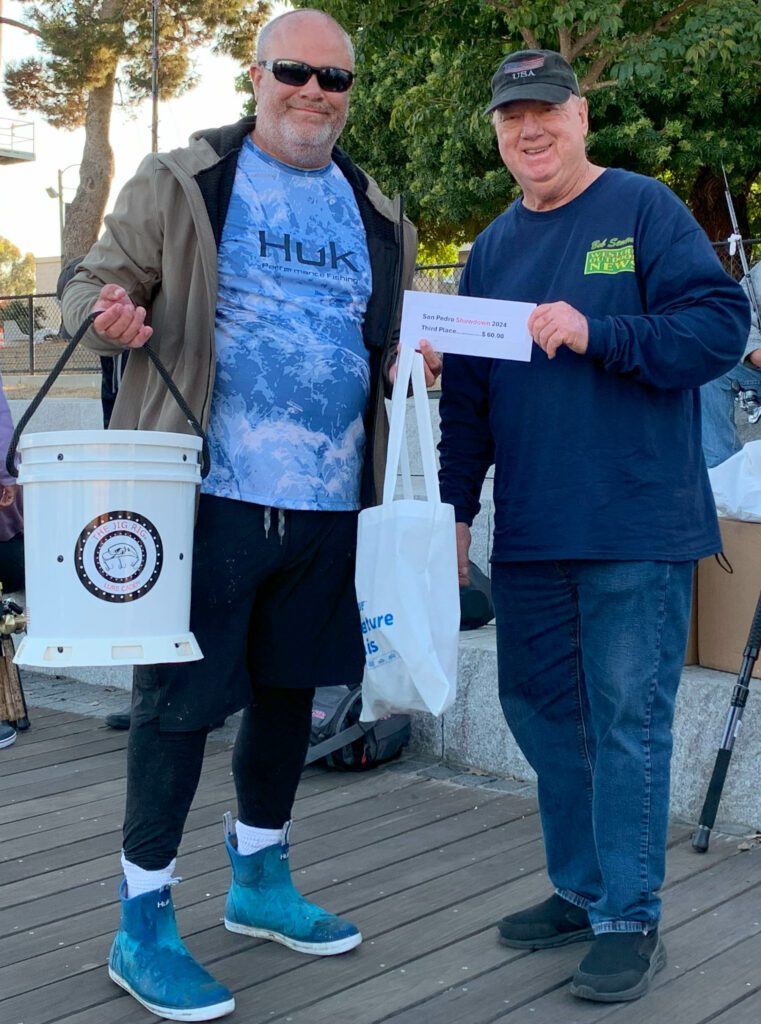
(736, 484)
(406, 576)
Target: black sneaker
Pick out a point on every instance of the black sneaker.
(121, 720)
(118, 719)
(619, 966)
(556, 922)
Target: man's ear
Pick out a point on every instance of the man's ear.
(255, 74)
(584, 114)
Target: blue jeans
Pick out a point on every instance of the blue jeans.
(717, 404)
(590, 655)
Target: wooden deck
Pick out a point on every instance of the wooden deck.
(424, 866)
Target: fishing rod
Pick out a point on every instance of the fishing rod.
(735, 242)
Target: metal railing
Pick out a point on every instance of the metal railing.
(16, 140)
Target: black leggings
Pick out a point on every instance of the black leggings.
(163, 769)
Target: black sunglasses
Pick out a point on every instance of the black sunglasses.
(296, 72)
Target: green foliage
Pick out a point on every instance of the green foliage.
(674, 89)
(16, 271)
(435, 253)
(17, 278)
(83, 44)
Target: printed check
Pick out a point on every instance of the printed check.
(468, 326)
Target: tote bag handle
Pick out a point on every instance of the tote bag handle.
(410, 367)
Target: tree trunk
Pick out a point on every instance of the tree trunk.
(709, 206)
(85, 213)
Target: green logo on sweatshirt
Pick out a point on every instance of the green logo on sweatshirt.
(610, 256)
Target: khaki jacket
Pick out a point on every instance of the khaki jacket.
(160, 245)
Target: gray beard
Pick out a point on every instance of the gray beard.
(317, 147)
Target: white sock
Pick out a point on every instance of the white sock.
(140, 881)
(252, 839)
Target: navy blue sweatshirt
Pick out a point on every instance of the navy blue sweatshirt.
(596, 456)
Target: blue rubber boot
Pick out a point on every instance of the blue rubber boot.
(263, 901)
(150, 961)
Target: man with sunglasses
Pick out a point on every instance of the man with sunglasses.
(602, 504)
(267, 269)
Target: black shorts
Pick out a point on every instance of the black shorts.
(272, 601)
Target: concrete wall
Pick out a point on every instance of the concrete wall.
(46, 270)
(59, 414)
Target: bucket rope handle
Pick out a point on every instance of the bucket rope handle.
(10, 458)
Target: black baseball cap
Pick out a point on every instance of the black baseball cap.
(533, 75)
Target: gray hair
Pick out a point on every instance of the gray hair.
(264, 34)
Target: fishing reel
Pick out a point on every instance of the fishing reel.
(12, 617)
(748, 400)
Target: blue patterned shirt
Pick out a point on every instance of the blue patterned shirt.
(292, 382)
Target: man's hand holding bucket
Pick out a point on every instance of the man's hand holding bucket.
(120, 320)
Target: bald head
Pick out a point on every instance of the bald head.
(300, 20)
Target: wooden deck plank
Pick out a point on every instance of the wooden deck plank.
(702, 992)
(216, 768)
(745, 1011)
(48, 718)
(424, 867)
(397, 951)
(98, 876)
(69, 997)
(692, 943)
(204, 835)
(201, 843)
(349, 895)
(36, 740)
(110, 812)
(61, 778)
(420, 902)
(25, 811)
(82, 752)
(109, 818)
(50, 728)
(203, 840)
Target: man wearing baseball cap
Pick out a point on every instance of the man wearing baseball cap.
(602, 504)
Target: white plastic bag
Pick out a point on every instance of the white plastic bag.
(406, 576)
(736, 484)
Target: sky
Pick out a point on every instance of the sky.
(28, 216)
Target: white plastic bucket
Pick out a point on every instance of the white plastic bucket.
(108, 541)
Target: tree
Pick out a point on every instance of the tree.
(17, 274)
(674, 89)
(86, 48)
(16, 271)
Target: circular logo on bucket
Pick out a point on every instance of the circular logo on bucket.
(118, 556)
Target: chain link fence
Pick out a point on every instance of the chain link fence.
(31, 341)
(440, 277)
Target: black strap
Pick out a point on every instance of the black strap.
(341, 739)
(175, 393)
(10, 458)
